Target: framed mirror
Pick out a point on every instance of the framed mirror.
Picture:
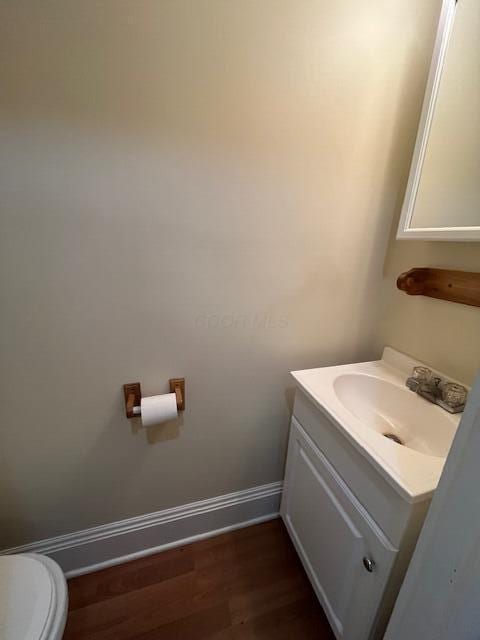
(442, 200)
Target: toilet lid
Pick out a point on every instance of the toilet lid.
(27, 598)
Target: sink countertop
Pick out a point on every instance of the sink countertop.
(412, 473)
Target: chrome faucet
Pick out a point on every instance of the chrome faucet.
(449, 395)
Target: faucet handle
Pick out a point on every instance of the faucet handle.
(422, 374)
(449, 395)
(454, 395)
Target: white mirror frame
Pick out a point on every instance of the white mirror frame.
(405, 231)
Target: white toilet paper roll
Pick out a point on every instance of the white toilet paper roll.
(157, 409)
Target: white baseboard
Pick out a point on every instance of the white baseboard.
(109, 544)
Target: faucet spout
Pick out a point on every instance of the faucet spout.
(449, 395)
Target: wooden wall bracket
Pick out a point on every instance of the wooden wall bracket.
(444, 284)
(132, 394)
(177, 386)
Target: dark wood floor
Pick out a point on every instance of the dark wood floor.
(244, 585)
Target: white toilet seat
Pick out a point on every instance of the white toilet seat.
(33, 598)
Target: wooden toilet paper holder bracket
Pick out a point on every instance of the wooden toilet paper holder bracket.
(133, 396)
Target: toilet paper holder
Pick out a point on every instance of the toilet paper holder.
(133, 396)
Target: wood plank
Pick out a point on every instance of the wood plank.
(197, 626)
(129, 577)
(444, 284)
(301, 619)
(240, 585)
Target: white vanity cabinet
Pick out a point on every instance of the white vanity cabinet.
(353, 533)
(348, 558)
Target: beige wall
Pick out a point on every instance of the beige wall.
(442, 334)
(449, 189)
(167, 166)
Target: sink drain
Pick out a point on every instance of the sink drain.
(392, 436)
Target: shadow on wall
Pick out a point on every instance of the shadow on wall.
(420, 326)
(169, 430)
(20, 527)
(15, 523)
(389, 195)
(186, 160)
(100, 450)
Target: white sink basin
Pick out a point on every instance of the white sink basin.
(395, 411)
(369, 400)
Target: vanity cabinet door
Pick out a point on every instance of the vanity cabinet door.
(345, 554)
